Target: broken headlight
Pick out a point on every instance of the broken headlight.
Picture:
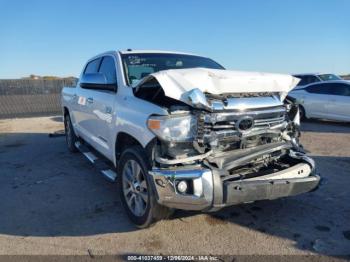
(180, 128)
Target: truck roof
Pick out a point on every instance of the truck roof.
(140, 51)
(132, 51)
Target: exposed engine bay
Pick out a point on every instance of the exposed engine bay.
(246, 134)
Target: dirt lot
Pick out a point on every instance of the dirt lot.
(54, 202)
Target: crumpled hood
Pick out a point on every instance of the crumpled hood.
(176, 83)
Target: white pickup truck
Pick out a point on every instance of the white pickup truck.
(181, 132)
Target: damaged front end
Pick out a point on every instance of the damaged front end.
(216, 150)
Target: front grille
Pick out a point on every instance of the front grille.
(269, 122)
(223, 125)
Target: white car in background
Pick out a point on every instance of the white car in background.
(306, 79)
(324, 100)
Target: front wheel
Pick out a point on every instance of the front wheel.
(135, 189)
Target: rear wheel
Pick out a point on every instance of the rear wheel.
(71, 138)
(135, 189)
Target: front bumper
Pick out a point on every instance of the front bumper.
(248, 191)
(210, 193)
(168, 195)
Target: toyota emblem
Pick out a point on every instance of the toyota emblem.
(245, 123)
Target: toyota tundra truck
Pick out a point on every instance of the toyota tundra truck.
(178, 131)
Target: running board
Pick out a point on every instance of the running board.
(101, 165)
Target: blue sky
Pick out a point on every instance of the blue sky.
(289, 36)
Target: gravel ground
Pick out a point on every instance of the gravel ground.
(54, 202)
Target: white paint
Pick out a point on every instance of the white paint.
(177, 82)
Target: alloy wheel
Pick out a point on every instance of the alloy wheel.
(135, 188)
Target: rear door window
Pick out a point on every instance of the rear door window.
(108, 69)
(92, 66)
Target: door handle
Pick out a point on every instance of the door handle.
(90, 100)
(74, 97)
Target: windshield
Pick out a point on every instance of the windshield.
(137, 66)
(329, 77)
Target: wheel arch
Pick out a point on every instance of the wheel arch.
(65, 111)
(125, 140)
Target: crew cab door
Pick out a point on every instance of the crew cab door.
(102, 114)
(83, 109)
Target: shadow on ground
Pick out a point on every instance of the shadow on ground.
(47, 191)
(57, 118)
(324, 126)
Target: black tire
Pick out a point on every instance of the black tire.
(153, 211)
(71, 138)
(302, 112)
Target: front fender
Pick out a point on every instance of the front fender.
(131, 118)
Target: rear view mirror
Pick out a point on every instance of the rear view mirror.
(97, 81)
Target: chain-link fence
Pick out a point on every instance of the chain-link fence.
(27, 97)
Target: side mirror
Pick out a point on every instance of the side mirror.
(97, 81)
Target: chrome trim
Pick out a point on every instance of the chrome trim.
(265, 130)
(198, 99)
(110, 174)
(182, 160)
(258, 121)
(245, 128)
(227, 116)
(165, 180)
(217, 105)
(268, 122)
(302, 156)
(257, 130)
(90, 156)
(246, 103)
(222, 125)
